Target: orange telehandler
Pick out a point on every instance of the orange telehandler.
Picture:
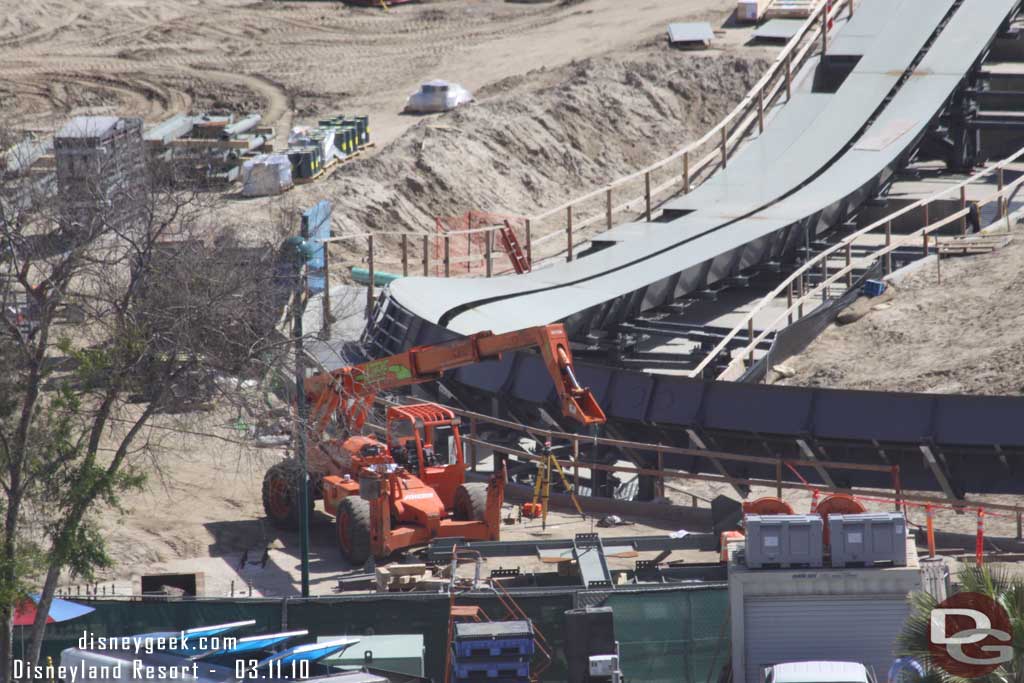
(407, 489)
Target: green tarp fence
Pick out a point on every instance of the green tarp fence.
(665, 634)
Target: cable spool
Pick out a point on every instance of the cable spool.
(769, 505)
(837, 504)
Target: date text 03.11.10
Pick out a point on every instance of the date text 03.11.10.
(249, 670)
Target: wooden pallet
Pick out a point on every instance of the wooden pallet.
(790, 9)
(973, 244)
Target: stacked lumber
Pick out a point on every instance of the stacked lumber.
(790, 9)
(974, 244)
(402, 578)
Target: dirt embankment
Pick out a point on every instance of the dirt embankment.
(963, 336)
(533, 141)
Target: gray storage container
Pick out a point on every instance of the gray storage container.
(783, 540)
(867, 539)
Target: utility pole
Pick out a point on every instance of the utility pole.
(301, 254)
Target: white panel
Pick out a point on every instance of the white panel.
(861, 629)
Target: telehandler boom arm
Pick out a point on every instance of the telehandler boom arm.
(349, 392)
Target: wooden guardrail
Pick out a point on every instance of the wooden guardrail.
(646, 188)
(797, 280)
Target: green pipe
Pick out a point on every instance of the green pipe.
(362, 276)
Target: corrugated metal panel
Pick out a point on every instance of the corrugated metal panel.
(861, 629)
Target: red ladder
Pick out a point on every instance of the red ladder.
(510, 244)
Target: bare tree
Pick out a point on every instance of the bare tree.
(120, 302)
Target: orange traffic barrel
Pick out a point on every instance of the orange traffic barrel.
(769, 505)
(837, 504)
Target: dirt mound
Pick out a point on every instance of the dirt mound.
(533, 141)
(965, 336)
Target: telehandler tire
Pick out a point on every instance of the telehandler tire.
(281, 494)
(471, 502)
(353, 528)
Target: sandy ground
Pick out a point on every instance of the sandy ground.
(294, 59)
(570, 95)
(963, 336)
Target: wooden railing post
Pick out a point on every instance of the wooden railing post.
(568, 232)
(529, 242)
(824, 29)
(800, 295)
(789, 302)
(725, 146)
(925, 230)
(426, 255)
(760, 110)
(608, 208)
(447, 256)
(750, 341)
(888, 243)
(824, 279)
(488, 261)
(686, 172)
(472, 444)
(1002, 200)
(405, 254)
(789, 76)
(963, 205)
(647, 195)
(575, 464)
(849, 263)
(369, 267)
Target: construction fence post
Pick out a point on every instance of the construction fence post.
(426, 255)
(369, 267)
(568, 232)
